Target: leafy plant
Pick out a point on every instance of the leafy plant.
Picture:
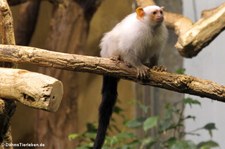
(169, 130)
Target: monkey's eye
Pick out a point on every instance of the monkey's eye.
(154, 12)
(161, 12)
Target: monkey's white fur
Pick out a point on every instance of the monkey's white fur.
(135, 40)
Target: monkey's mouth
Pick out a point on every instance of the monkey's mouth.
(159, 19)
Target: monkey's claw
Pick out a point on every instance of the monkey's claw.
(142, 72)
(116, 59)
(159, 68)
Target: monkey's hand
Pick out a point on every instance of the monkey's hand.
(142, 72)
(115, 58)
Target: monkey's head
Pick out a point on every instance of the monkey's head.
(152, 15)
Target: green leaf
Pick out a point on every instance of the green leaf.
(125, 135)
(210, 127)
(147, 142)
(132, 145)
(170, 141)
(167, 122)
(91, 127)
(191, 102)
(113, 140)
(83, 147)
(180, 70)
(150, 123)
(207, 144)
(90, 135)
(144, 108)
(183, 144)
(73, 136)
(134, 123)
(117, 109)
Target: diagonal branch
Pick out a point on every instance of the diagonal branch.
(103, 66)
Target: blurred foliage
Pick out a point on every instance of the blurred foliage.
(168, 129)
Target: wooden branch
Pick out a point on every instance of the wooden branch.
(7, 23)
(7, 107)
(6, 28)
(202, 32)
(32, 89)
(177, 22)
(144, 3)
(193, 37)
(104, 66)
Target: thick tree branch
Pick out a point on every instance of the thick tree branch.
(144, 3)
(103, 66)
(7, 30)
(193, 37)
(191, 42)
(32, 89)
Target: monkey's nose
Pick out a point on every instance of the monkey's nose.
(159, 18)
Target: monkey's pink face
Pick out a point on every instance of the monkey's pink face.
(157, 16)
(152, 15)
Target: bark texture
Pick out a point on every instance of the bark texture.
(103, 66)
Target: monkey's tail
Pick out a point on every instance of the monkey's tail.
(109, 96)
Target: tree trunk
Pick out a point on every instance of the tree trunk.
(7, 107)
(68, 33)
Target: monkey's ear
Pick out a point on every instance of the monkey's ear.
(162, 7)
(140, 12)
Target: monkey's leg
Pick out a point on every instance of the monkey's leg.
(133, 61)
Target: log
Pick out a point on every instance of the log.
(103, 66)
(31, 89)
